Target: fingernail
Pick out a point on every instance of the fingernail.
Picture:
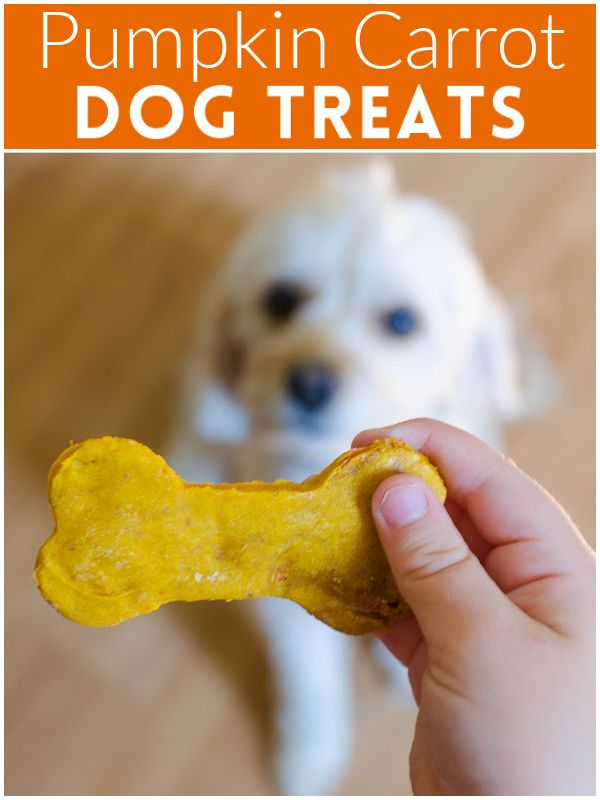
(403, 503)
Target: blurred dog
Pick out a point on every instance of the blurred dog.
(350, 307)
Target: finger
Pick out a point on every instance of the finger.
(403, 638)
(416, 669)
(475, 541)
(446, 587)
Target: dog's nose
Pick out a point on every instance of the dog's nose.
(312, 385)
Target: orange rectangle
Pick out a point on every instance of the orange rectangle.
(299, 76)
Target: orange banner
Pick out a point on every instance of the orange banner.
(299, 76)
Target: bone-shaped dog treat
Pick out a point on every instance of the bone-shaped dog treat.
(131, 535)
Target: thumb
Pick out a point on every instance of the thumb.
(447, 589)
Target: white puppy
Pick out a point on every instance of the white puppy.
(350, 307)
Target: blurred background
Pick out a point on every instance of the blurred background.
(106, 256)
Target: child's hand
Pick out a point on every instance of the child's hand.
(500, 649)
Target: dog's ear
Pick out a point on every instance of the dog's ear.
(213, 366)
(225, 351)
(520, 380)
(520, 376)
(496, 359)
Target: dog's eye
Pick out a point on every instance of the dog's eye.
(281, 300)
(400, 322)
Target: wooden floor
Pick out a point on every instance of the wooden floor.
(106, 256)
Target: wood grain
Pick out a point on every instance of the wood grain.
(106, 257)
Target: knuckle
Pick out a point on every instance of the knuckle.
(426, 557)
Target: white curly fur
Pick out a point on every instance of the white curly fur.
(359, 249)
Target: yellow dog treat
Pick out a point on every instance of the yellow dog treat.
(131, 535)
